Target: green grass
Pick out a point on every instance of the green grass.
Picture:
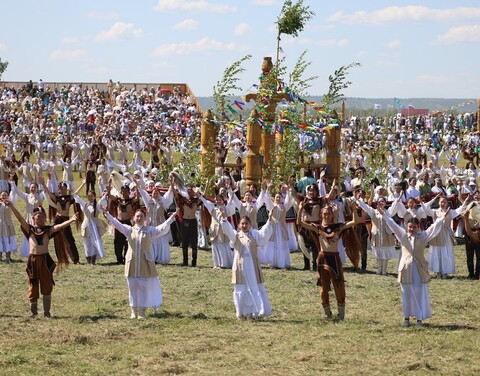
(196, 332)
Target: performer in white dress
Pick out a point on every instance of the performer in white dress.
(157, 206)
(93, 228)
(249, 294)
(8, 243)
(140, 270)
(33, 200)
(412, 268)
(441, 255)
(383, 241)
(277, 249)
(222, 254)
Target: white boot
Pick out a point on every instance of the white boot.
(384, 267)
(134, 313)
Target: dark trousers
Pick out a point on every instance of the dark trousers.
(189, 235)
(310, 243)
(473, 251)
(120, 243)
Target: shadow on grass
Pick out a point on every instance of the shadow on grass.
(452, 327)
(95, 318)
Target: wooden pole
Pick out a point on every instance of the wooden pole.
(253, 166)
(207, 139)
(478, 116)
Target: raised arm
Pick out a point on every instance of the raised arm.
(61, 226)
(23, 223)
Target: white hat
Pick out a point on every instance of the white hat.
(137, 172)
(158, 185)
(155, 170)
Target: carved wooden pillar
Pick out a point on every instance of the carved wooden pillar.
(207, 139)
(253, 168)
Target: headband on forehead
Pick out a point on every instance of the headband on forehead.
(62, 185)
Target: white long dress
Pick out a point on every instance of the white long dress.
(31, 201)
(144, 289)
(222, 254)
(441, 255)
(277, 249)
(156, 216)
(412, 269)
(249, 294)
(92, 240)
(8, 241)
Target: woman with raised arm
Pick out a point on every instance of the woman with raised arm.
(412, 268)
(40, 265)
(249, 294)
(382, 238)
(33, 200)
(140, 270)
(441, 255)
(277, 249)
(93, 228)
(8, 243)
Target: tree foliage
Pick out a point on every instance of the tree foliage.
(3, 67)
(292, 19)
(228, 85)
(338, 83)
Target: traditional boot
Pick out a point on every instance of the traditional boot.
(34, 309)
(94, 259)
(134, 313)
(141, 313)
(341, 313)
(47, 301)
(8, 259)
(1, 256)
(328, 312)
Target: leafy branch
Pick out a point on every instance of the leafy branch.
(337, 84)
(228, 84)
(3, 67)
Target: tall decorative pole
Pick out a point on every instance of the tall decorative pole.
(253, 167)
(207, 139)
(268, 116)
(333, 152)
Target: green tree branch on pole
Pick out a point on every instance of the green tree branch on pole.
(292, 20)
(228, 84)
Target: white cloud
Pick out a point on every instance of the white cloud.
(430, 79)
(242, 29)
(466, 33)
(102, 15)
(414, 13)
(387, 64)
(62, 55)
(3, 47)
(395, 43)
(361, 53)
(264, 2)
(192, 6)
(188, 24)
(332, 42)
(69, 40)
(202, 45)
(118, 30)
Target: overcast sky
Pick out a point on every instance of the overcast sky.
(420, 49)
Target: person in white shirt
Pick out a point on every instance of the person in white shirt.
(412, 191)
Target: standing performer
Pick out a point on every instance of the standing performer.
(33, 200)
(61, 204)
(93, 228)
(8, 243)
(412, 268)
(329, 265)
(40, 265)
(142, 276)
(157, 206)
(123, 208)
(249, 294)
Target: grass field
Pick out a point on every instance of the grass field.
(196, 332)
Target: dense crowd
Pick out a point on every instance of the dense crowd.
(411, 167)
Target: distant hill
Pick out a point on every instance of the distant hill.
(386, 104)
